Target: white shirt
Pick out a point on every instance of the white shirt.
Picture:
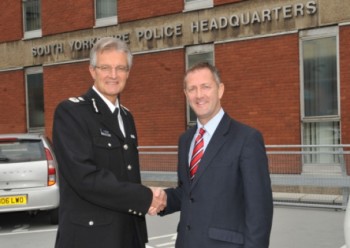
(112, 107)
(209, 128)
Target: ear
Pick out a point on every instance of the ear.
(221, 90)
(92, 71)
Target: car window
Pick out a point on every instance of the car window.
(12, 151)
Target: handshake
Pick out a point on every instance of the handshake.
(158, 202)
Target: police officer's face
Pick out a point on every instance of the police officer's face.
(203, 94)
(110, 73)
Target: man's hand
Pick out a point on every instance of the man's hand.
(159, 201)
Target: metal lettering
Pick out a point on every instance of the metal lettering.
(311, 7)
(234, 21)
(195, 27)
(299, 10)
(213, 24)
(287, 11)
(159, 32)
(223, 22)
(266, 15)
(277, 10)
(47, 49)
(255, 17)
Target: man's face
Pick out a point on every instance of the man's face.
(203, 94)
(110, 73)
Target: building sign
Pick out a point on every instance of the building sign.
(176, 31)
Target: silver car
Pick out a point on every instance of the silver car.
(28, 175)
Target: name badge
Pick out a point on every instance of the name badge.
(105, 133)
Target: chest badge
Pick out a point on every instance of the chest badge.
(105, 133)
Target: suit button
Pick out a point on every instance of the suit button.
(188, 227)
(125, 147)
(109, 144)
(129, 167)
(91, 223)
(191, 200)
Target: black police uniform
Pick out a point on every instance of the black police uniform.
(102, 203)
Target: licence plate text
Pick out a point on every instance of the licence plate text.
(13, 200)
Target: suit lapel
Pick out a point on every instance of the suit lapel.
(217, 141)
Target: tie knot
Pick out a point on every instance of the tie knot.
(201, 131)
(116, 111)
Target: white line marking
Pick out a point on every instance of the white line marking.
(163, 236)
(28, 232)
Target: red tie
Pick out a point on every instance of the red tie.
(197, 153)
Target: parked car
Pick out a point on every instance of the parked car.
(28, 175)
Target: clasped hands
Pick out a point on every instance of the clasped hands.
(158, 202)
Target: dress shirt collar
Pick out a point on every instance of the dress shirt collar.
(211, 125)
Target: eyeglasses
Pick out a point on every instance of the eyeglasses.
(108, 69)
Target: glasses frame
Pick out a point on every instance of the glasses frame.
(108, 69)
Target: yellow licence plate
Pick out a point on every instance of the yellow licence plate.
(13, 200)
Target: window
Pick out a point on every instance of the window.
(35, 99)
(320, 94)
(32, 18)
(194, 55)
(198, 4)
(106, 12)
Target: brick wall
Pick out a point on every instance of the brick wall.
(221, 2)
(65, 16)
(10, 20)
(62, 82)
(155, 97)
(13, 102)
(262, 86)
(153, 94)
(344, 51)
(129, 10)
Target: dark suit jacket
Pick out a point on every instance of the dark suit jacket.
(102, 203)
(229, 202)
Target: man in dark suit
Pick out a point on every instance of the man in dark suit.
(224, 190)
(102, 203)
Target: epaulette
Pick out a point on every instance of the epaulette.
(76, 99)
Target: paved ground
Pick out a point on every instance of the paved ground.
(293, 227)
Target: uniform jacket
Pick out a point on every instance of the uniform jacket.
(102, 203)
(229, 202)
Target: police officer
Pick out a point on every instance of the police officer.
(102, 203)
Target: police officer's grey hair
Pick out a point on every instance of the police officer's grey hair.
(204, 65)
(109, 43)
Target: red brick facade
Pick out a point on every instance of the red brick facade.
(13, 102)
(344, 51)
(261, 76)
(55, 16)
(11, 21)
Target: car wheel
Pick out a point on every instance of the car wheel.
(54, 216)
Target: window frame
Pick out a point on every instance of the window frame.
(312, 35)
(198, 4)
(308, 35)
(31, 71)
(105, 21)
(33, 33)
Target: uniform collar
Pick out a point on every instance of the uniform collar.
(110, 105)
